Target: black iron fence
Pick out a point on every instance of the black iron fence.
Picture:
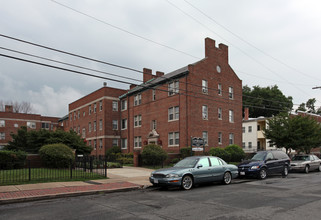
(29, 171)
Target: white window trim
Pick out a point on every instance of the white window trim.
(173, 113)
(122, 124)
(174, 139)
(205, 116)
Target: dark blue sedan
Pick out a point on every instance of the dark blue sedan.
(194, 170)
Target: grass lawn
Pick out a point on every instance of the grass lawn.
(41, 175)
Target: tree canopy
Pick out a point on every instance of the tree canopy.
(309, 107)
(31, 141)
(265, 101)
(300, 133)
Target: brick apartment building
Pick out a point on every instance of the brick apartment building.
(203, 99)
(10, 122)
(96, 118)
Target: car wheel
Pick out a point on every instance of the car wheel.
(319, 169)
(227, 178)
(262, 174)
(285, 171)
(187, 182)
(306, 169)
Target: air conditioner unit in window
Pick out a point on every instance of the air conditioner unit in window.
(204, 90)
(204, 117)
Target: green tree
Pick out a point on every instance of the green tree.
(265, 101)
(309, 107)
(301, 133)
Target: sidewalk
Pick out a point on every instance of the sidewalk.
(120, 179)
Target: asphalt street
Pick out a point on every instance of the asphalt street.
(296, 197)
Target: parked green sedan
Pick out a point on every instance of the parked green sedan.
(194, 170)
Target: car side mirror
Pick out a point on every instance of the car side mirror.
(199, 166)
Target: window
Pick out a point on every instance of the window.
(95, 125)
(250, 129)
(89, 109)
(100, 105)
(2, 136)
(173, 88)
(95, 144)
(45, 126)
(230, 92)
(153, 94)
(258, 127)
(137, 121)
(204, 112)
(153, 125)
(138, 141)
(84, 133)
(205, 137)
(243, 129)
(250, 144)
(115, 142)
(173, 138)
(89, 126)
(124, 124)
(219, 112)
(95, 107)
(31, 125)
(74, 115)
(115, 124)
(258, 145)
(115, 106)
(123, 105)
(138, 99)
(219, 137)
(100, 144)
(204, 86)
(243, 144)
(124, 143)
(100, 124)
(2, 123)
(78, 129)
(204, 162)
(78, 114)
(16, 125)
(89, 143)
(231, 138)
(214, 161)
(231, 116)
(83, 114)
(173, 113)
(219, 89)
(70, 116)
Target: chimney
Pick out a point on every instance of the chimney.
(209, 46)
(9, 108)
(159, 74)
(246, 114)
(105, 84)
(147, 74)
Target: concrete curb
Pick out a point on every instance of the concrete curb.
(70, 194)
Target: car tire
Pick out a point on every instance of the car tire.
(306, 169)
(187, 182)
(285, 171)
(227, 178)
(262, 174)
(319, 168)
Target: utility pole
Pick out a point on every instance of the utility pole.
(317, 87)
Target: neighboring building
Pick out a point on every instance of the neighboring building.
(10, 122)
(253, 139)
(96, 118)
(203, 99)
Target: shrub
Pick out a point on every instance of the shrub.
(237, 153)
(112, 152)
(153, 155)
(185, 152)
(175, 160)
(56, 155)
(12, 159)
(221, 153)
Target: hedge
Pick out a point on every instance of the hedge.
(57, 155)
(12, 159)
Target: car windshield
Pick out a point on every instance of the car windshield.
(187, 162)
(303, 158)
(259, 156)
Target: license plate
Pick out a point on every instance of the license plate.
(155, 180)
(242, 173)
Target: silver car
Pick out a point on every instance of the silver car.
(194, 170)
(305, 163)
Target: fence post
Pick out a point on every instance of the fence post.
(105, 165)
(29, 170)
(71, 168)
(91, 164)
(85, 163)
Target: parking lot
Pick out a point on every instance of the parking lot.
(296, 197)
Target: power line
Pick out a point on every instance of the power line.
(123, 30)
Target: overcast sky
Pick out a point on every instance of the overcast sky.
(270, 43)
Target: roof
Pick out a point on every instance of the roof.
(156, 81)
